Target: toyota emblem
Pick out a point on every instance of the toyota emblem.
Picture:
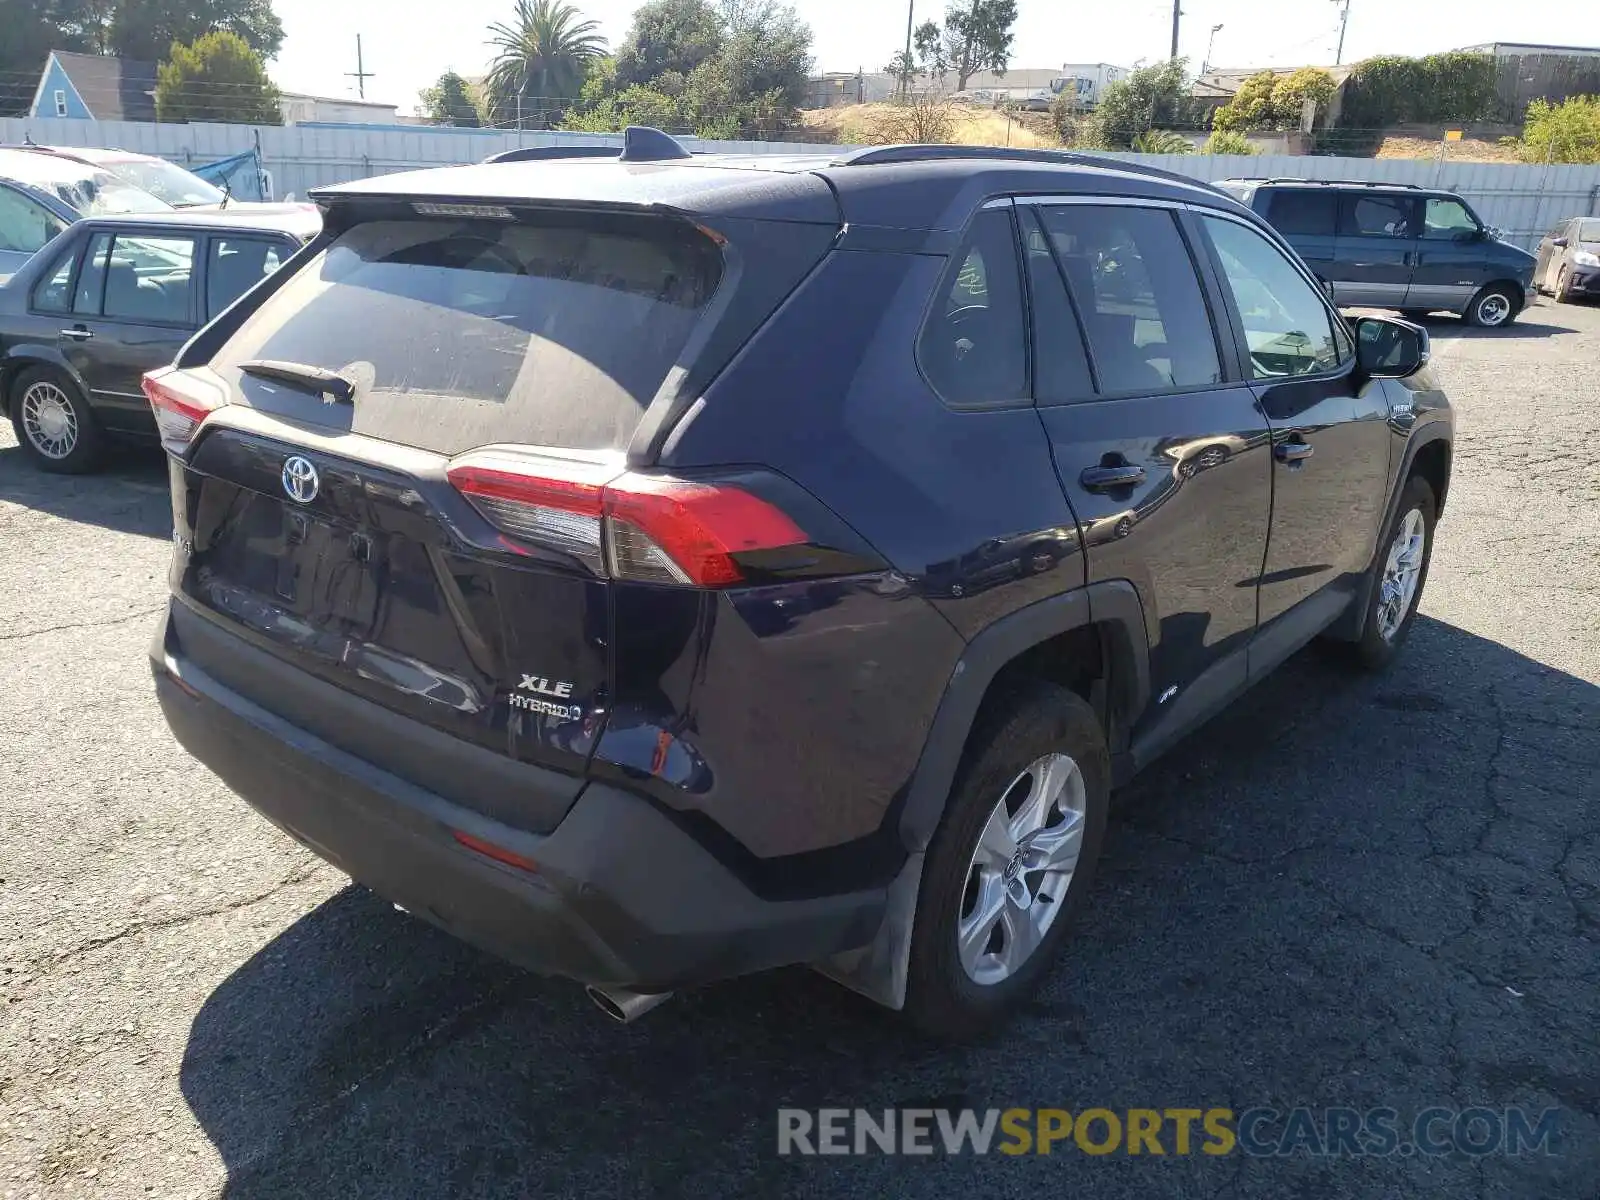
(300, 479)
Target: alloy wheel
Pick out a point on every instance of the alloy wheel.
(48, 420)
(1020, 871)
(1401, 574)
(1493, 310)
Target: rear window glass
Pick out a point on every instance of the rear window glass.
(1304, 212)
(463, 333)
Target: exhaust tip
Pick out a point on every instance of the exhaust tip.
(625, 1007)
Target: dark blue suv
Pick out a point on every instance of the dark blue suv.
(1385, 245)
(665, 568)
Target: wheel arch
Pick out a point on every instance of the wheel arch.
(1428, 454)
(28, 357)
(1091, 639)
(1107, 617)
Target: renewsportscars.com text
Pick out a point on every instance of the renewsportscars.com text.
(1258, 1132)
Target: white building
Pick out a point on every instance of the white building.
(299, 108)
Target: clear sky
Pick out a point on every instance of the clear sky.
(409, 42)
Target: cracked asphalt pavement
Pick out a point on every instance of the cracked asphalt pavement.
(1345, 891)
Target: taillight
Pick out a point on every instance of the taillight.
(181, 404)
(621, 524)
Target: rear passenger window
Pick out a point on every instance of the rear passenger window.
(1060, 366)
(974, 347)
(148, 279)
(1304, 212)
(1136, 290)
(53, 293)
(1377, 216)
(235, 266)
(92, 278)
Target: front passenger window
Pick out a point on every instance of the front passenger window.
(1287, 326)
(974, 348)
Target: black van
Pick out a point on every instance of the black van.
(1387, 245)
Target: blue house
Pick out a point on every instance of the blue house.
(96, 87)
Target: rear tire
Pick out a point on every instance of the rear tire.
(1495, 307)
(1033, 788)
(1392, 607)
(55, 426)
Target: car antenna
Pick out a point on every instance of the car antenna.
(27, 138)
(227, 194)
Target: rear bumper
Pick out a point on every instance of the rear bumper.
(622, 896)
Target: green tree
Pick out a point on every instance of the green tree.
(752, 86)
(144, 29)
(1151, 98)
(1251, 106)
(218, 78)
(1162, 141)
(668, 37)
(976, 37)
(448, 102)
(1227, 142)
(1568, 132)
(541, 62)
(1392, 90)
(1270, 101)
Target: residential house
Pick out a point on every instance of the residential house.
(1216, 88)
(1015, 86)
(301, 109)
(95, 87)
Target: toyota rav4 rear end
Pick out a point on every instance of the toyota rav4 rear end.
(440, 614)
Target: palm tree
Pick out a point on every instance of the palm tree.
(543, 53)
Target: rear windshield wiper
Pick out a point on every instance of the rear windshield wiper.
(330, 385)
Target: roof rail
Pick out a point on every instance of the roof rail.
(1372, 183)
(875, 155)
(541, 153)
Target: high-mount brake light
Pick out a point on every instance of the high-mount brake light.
(622, 524)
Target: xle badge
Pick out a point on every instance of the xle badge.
(540, 687)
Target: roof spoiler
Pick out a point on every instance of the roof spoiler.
(640, 143)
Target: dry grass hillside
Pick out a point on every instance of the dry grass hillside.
(1466, 150)
(963, 124)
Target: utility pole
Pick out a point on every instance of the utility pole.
(1211, 44)
(905, 63)
(1177, 16)
(1344, 21)
(360, 74)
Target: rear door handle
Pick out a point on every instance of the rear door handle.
(1293, 452)
(1108, 479)
(77, 334)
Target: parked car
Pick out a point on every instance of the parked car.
(1395, 246)
(1569, 259)
(566, 550)
(111, 298)
(162, 179)
(40, 196)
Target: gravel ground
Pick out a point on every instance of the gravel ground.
(1343, 892)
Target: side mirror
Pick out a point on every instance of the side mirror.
(1390, 349)
(1561, 243)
